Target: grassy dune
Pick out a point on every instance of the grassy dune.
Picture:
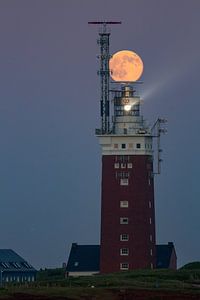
(140, 284)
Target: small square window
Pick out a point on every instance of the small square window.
(124, 266)
(130, 145)
(124, 220)
(116, 165)
(116, 146)
(138, 146)
(76, 264)
(124, 251)
(123, 146)
(129, 165)
(123, 166)
(123, 204)
(124, 181)
(124, 237)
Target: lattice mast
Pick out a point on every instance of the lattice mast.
(104, 73)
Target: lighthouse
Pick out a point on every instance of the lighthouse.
(127, 239)
(129, 165)
(127, 189)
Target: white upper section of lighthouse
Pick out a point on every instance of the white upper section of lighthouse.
(127, 119)
(129, 134)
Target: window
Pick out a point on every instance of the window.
(124, 251)
(116, 165)
(123, 146)
(124, 237)
(149, 181)
(124, 181)
(123, 158)
(16, 265)
(115, 146)
(129, 165)
(138, 146)
(123, 166)
(123, 220)
(26, 265)
(151, 266)
(149, 204)
(76, 264)
(124, 266)
(5, 265)
(151, 252)
(150, 221)
(151, 238)
(123, 204)
(130, 145)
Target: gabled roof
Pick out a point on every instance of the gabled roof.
(11, 261)
(83, 258)
(163, 255)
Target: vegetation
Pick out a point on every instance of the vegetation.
(52, 283)
(192, 266)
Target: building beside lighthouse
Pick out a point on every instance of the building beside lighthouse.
(128, 233)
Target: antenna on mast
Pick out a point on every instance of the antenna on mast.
(104, 73)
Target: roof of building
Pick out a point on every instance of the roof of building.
(11, 261)
(83, 258)
(163, 256)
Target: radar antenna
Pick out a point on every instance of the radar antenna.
(104, 73)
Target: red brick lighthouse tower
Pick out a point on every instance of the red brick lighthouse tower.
(127, 189)
(127, 214)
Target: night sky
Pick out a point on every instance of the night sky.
(50, 162)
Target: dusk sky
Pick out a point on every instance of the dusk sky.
(50, 160)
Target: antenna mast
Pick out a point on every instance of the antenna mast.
(104, 72)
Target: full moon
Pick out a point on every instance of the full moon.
(126, 65)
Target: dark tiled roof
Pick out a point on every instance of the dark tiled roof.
(163, 255)
(83, 258)
(11, 261)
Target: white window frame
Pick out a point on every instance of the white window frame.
(124, 237)
(116, 165)
(124, 181)
(124, 251)
(122, 146)
(124, 221)
(138, 146)
(129, 165)
(124, 266)
(124, 204)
